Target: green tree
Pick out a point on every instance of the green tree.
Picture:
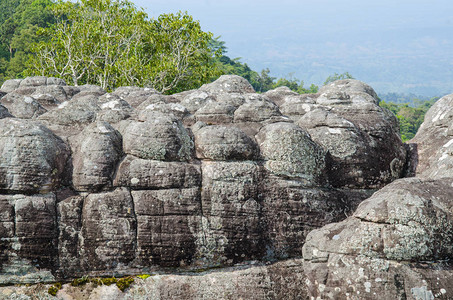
(19, 21)
(264, 81)
(409, 118)
(112, 43)
(181, 55)
(337, 76)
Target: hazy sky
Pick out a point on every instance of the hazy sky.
(394, 45)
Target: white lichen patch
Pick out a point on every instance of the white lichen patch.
(334, 130)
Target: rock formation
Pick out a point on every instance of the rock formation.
(398, 244)
(218, 190)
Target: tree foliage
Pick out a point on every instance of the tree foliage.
(111, 43)
(19, 20)
(409, 118)
(337, 76)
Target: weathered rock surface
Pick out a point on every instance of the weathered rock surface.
(433, 143)
(281, 280)
(398, 243)
(33, 159)
(362, 138)
(224, 143)
(98, 149)
(133, 182)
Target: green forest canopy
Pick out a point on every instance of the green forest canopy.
(74, 41)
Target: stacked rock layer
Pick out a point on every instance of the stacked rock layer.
(132, 181)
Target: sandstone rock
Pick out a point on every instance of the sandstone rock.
(52, 81)
(97, 151)
(290, 152)
(134, 92)
(10, 85)
(280, 280)
(9, 98)
(232, 207)
(255, 187)
(233, 99)
(167, 223)
(136, 97)
(50, 95)
(257, 108)
(81, 109)
(157, 136)
(90, 89)
(69, 211)
(279, 94)
(362, 138)
(216, 113)
(224, 143)
(26, 108)
(30, 244)
(432, 145)
(33, 159)
(359, 277)
(346, 90)
(33, 81)
(71, 91)
(113, 109)
(108, 232)
(228, 84)
(408, 220)
(196, 99)
(291, 210)
(297, 106)
(144, 174)
(159, 103)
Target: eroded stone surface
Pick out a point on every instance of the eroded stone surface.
(224, 143)
(97, 151)
(289, 151)
(433, 143)
(208, 178)
(33, 159)
(157, 136)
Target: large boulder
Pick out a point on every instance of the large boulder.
(216, 113)
(50, 95)
(80, 110)
(33, 159)
(96, 153)
(10, 85)
(228, 84)
(408, 221)
(433, 143)
(157, 136)
(257, 108)
(224, 143)
(26, 107)
(365, 150)
(289, 151)
(279, 94)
